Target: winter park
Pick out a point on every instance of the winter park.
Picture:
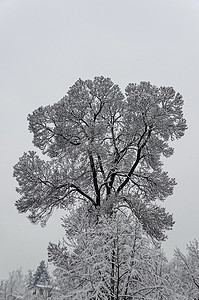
(99, 150)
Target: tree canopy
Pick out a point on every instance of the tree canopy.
(104, 150)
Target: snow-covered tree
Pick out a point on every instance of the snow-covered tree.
(111, 259)
(41, 275)
(21, 287)
(104, 150)
(13, 288)
(29, 279)
(187, 270)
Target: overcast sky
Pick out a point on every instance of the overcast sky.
(46, 45)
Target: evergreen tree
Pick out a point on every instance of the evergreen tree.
(41, 276)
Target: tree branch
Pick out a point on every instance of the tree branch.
(94, 172)
(83, 194)
(138, 158)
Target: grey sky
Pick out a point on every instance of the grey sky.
(46, 45)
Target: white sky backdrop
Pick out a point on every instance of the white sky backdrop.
(46, 45)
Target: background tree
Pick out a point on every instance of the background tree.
(21, 287)
(187, 270)
(41, 275)
(13, 288)
(29, 280)
(105, 151)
